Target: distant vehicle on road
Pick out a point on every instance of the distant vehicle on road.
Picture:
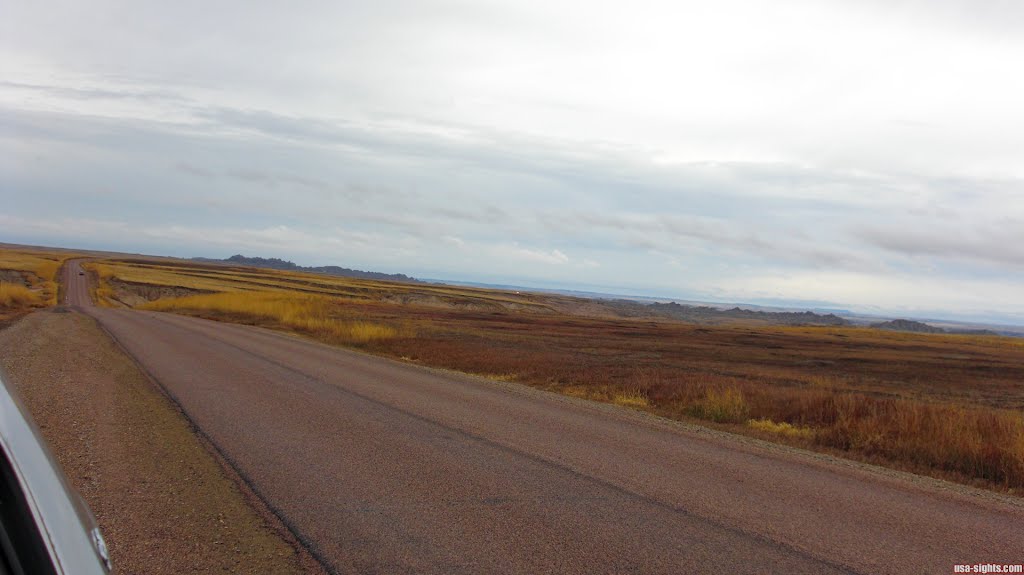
(45, 527)
(81, 273)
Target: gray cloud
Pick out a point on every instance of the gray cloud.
(194, 170)
(681, 234)
(762, 212)
(92, 93)
(564, 142)
(274, 180)
(1000, 242)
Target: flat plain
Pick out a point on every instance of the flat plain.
(949, 406)
(348, 440)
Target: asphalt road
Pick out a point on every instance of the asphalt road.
(384, 467)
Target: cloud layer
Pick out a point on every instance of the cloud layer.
(863, 154)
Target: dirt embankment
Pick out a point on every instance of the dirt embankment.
(14, 277)
(132, 294)
(163, 501)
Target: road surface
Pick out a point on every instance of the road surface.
(383, 467)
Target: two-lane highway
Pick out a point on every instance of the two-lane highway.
(384, 467)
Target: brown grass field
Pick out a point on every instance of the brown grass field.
(943, 405)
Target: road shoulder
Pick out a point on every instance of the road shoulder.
(163, 500)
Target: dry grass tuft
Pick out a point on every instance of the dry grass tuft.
(725, 406)
(783, 428)
(633, 397)
(498, 376)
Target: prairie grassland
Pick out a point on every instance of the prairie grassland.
(948, 406)
(222, 278)
(113, 271)
(29, 279)
(309, 314)
(903, 336)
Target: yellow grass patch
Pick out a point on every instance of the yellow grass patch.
(631, 398)
(102, 293)
(145, 274)
(499, 376)
(40, 269)
(581, 392)
(307, 313)
(13, 295)
(781, 428)
(722, 406)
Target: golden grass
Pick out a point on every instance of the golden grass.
(102, 293)
(581, 392)
(13, 295)
(113, 270)
(782, 428)
(306, 313)
(632, 397)
(40, 269)
(721, 406)
(508, 377)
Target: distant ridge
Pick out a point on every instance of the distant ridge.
(279, 264)
(907, 325)
(920, 327)
(696, 313)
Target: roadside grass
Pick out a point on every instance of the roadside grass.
(34, 270)
(100, 290)
(948, 406)
(14, 296)
(985, 444)
(509, 377)
(632, 397)
(783, 428)
(721, 406)
(309, 314)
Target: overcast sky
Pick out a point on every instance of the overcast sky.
(865, 154)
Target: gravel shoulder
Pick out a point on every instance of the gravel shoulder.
(162, 498)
